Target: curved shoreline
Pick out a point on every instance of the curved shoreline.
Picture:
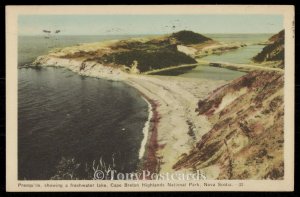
(173, 102)
(148, 159)
(148, 146)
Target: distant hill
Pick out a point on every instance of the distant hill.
(189, 37)
(273, 51)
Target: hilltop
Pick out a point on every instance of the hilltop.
(189, 37)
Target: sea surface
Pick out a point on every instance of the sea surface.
(64, 115)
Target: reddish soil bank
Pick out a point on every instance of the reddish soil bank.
(150, 162)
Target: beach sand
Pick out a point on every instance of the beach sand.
(179, 127)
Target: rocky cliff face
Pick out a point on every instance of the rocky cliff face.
(277, 37)
(246, 140)
(274, 51)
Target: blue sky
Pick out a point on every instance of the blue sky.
(148, 24)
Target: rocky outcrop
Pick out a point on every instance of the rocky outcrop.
(273, 52)
(246, 140)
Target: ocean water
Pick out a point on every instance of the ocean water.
(62, 114)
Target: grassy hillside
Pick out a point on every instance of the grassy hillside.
(149, 60)
(246, 141)
(142, 54)
(156, 53)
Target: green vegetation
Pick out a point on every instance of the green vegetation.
(156, 53)
(189, 37)
(149, 59)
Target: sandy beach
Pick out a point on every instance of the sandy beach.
(179, 127)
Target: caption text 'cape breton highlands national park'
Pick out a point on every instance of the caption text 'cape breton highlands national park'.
(155, 93)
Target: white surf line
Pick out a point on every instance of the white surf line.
(146, 130)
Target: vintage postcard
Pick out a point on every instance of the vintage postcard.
(150, 98)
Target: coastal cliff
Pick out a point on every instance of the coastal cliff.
(246, 139)
(273, 52)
